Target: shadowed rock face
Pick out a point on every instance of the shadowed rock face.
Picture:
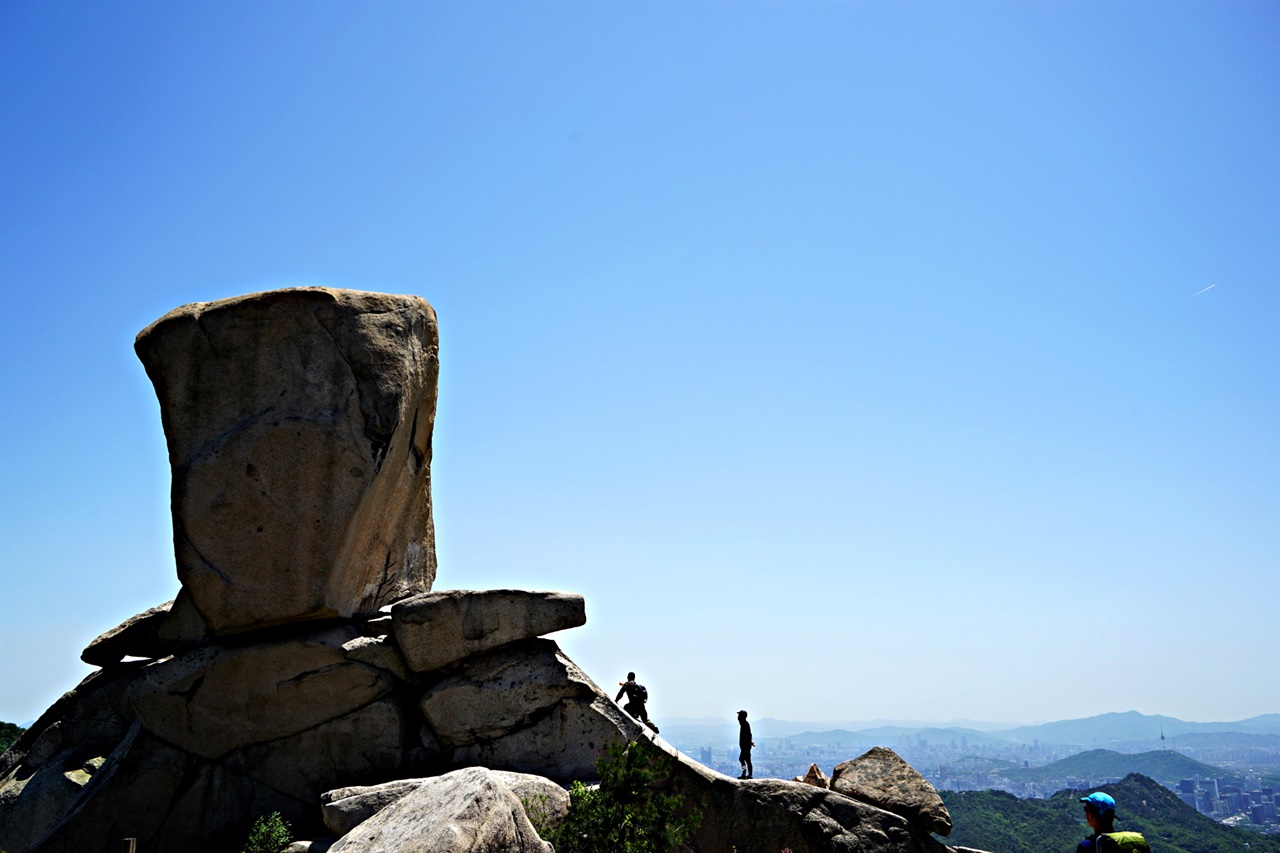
(299, 431)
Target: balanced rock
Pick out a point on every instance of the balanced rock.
(880, 777)
(460, 812)
(299, 427)
(440, 628)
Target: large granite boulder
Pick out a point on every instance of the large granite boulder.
(880, 777)
(299, 431)
(440, 628)
(495, 693)
(563, 743)
(347, 808)
(460, 812)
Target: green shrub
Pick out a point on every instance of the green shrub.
(9, 732)
(626, 814)
(270, 834)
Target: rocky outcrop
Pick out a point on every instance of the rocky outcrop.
(299, 431)
(880, 777)
(465, 811)
(766, 815)
(439, 628)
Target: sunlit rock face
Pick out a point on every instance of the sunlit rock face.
(299, 427)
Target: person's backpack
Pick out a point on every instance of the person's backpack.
(641, 693)
(1129, 842)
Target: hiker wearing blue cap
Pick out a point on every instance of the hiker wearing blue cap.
(1100, 812)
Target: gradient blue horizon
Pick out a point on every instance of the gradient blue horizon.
(855, 361)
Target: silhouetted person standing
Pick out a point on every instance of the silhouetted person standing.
(744, 745)
(637, 695)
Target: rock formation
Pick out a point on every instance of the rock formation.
(880, 777)
(299, 430)
(299, 427)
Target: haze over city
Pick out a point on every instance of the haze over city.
(856, 362)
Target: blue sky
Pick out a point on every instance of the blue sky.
(854, 361)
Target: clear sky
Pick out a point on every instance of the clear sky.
(854, 360)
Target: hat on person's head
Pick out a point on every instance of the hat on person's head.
(742, 713)
(1100, 801)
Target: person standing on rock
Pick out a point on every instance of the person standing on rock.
(637, 695)
(744, 745)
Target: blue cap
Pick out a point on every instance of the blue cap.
(1100, 801)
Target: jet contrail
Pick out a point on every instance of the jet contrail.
(1198, 292)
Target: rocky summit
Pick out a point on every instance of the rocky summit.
(306, 667)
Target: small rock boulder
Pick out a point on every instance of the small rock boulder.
(299, 425)
(460, 812)
(814, 777)
(880, 777)
(440, 628)
(346, 808)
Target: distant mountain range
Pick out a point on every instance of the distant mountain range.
(1129, 729)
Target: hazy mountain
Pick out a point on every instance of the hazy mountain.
(1132, 726)
(1130, 729)
(1164, 766)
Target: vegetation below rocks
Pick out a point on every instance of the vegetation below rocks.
(625, 814)
(270, 834)
(9, 733)
(995, 820)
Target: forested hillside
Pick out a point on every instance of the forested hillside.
(994, 820)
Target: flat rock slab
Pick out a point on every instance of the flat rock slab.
(299, 427)
(880, 777)
(440, 628)
(134, 637)
(216, 699)
(460, 812)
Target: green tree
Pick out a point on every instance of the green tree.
(627, 813)
(270, 834)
